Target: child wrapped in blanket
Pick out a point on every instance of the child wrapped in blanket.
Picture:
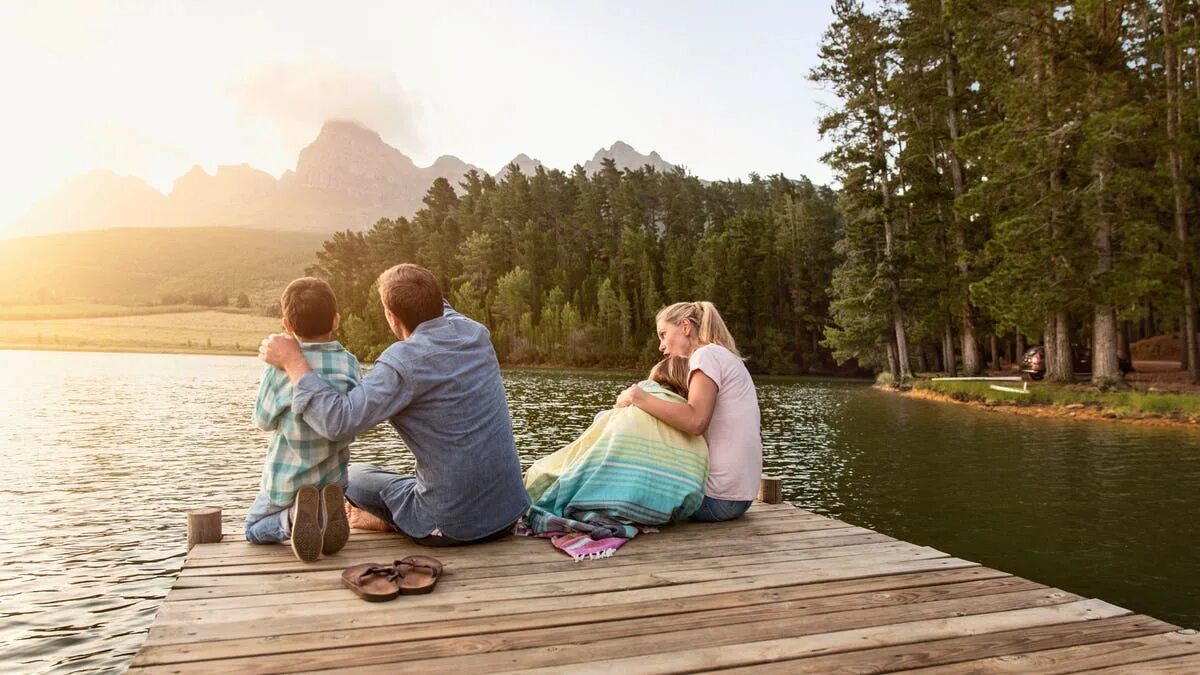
(627, 470)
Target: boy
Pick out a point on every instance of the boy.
(304, 474)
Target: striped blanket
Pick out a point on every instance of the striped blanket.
(627, 472)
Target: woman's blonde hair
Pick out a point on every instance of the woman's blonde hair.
(672, 373)
(710, 328)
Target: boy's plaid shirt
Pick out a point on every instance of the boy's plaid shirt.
(297, 456)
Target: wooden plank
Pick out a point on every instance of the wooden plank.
(1131, 651)
(828, 596)
(345, 602)
(538, 551)
(656, 651)
(329, 585)
(244, 553)
(506, 569)
(708, 658)
(284, 622)
(276, 561)
(234, 546)
(1181, 665)
(838, 611)
(975, 648)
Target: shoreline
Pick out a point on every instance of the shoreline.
(1075, 411)
(201, 351)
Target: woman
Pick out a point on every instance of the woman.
(627, 470)
(721, 404)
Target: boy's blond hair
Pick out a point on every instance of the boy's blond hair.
(673, 373)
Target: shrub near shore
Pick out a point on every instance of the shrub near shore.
(1068, 398)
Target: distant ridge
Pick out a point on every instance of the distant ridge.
(347, 178)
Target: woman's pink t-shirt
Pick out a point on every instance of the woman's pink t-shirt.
(734, 443)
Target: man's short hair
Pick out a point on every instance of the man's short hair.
(309, 306)
(412, 293)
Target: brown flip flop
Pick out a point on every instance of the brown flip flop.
(372, 582)
(418, 574)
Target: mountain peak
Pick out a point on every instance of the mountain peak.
(524, 162)
(626, 157)
(350, 160)
(344, 127)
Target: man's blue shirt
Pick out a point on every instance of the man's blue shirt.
(441, 390)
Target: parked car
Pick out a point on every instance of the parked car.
(1033, 362)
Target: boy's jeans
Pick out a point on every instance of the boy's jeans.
(268, 523)
(717, 510)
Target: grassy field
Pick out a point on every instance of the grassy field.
(91, 311)
(192, 331)
(1117, 404)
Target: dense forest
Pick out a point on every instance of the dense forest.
(1008, 174)
(570, 269)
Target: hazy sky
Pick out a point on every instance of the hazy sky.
(150, 89)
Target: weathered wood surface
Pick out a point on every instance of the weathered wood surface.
(781, 590)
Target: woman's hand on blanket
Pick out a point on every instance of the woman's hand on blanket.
(630, 396)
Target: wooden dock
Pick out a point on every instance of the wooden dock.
(781, 590)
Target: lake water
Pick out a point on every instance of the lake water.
(104, 452)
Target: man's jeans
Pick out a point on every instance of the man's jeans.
(372, 489)
(717, 510)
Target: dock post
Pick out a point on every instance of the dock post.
(203, 526)
(770, 490)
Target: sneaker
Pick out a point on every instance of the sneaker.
(337, 528)
(306, 524)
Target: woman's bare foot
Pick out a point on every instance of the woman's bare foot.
(361, 520)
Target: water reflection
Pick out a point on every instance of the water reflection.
(105, 451)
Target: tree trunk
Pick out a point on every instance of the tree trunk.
(1020, 347)
(1049, 345)
(901, 345)
(893, 363)
(948, 362)
(922, 364)
(1059, 365)
(1185, 355)
(970, 347)
(995, 352)
(1123, 350)
(1190, 357)
(1105, 369)
(889, 238)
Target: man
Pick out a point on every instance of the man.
(440, 388)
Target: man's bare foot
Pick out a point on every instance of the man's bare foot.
(361, 520)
